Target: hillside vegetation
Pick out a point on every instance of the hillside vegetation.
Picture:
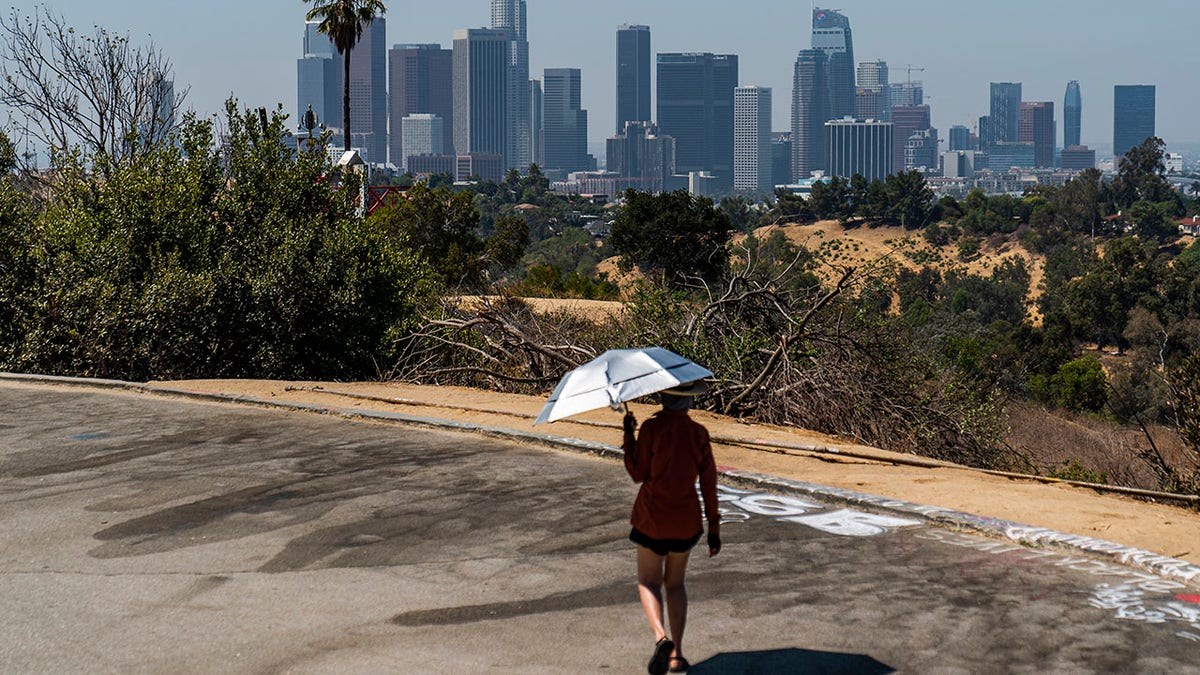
(867, 311)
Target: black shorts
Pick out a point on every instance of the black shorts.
(663, 546)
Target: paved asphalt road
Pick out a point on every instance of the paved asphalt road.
(143, 534)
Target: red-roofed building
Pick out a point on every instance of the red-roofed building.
(1190, 226)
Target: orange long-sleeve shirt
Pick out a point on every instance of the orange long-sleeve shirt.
(670, 452)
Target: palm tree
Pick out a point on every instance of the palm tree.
(343, 22)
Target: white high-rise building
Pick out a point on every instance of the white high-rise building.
(480, 65)
(873, 74)
(423, 135)
(752, 140)
(509, 16)
(859, 147)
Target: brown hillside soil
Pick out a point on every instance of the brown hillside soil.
(1167, 530)
(863, 244)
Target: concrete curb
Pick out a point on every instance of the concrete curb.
(1027, 535)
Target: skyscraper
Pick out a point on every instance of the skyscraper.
(781, 157)
(319, 78)
(1006, 112)
(695, 107)
(420, 80)
(907, 93)
(752, 140)
(537, 130)
(985, 132)
(368, 93)
(565, 122)
(873, 74)
(633, 75)
(1133, 116)
(641, 153)
(859, 147)
(1072, 115)
(960, 138)
(423, 135)
(509, 16)
(1038, 127)
(921, 150)
(874, 95)
(810, 112)
(481, 69)
(157, 120)
(1078, 158)
(873, 103)
(831, 34)
(909, 120)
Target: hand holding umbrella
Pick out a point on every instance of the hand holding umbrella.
(617, 376)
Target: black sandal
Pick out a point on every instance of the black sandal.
(683, 665)
(662, 657)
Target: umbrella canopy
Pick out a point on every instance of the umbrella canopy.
(616, 376)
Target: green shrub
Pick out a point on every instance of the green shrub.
(1080, 385)
(204, 261)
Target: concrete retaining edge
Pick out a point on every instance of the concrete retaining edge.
(1026, 535)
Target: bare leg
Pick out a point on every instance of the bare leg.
(650, 583)
(677, 601)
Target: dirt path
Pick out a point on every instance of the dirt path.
(1167, 530)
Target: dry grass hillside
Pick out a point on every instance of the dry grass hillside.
(1052, 443)
(865, 244)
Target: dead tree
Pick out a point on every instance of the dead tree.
(96, 92)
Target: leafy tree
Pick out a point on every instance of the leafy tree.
(1080, 385)
(1077, 206)
(909, 198)
(440, 225)
(505, 248)
(343, 21)
(573, 250)
(1185, 383)
(831, 200)
(739, 212)
(792, 207)
(199, 260)
(921, 286)
(1096, 304)
(1153, 221)
(1142, 175)
(674, 234)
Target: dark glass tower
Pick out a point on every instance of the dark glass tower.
(419, 81)
(1006, 112)
(1133, 116)
(633, 75)
(565, 121)
(1038, 127)
(831, 34)
(908, 120)
(319, 79)
(960, 138)
(695, 106)
(1072, 115)
(810, 112)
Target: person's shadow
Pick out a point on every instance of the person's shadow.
(790, 661)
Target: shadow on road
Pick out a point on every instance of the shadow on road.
(791, 661)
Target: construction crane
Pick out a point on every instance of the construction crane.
(910, 68)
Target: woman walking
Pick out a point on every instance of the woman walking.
(667, 457)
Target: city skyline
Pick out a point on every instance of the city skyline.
(1058, 42)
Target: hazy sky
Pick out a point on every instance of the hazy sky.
(248, 48)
